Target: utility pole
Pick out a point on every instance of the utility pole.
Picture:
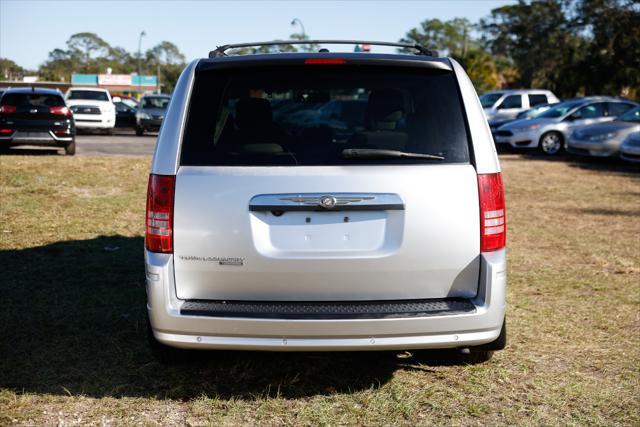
(142, 34)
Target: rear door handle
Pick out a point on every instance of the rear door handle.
(326, 202)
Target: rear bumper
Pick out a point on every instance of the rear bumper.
(443, 331)
(46, 139)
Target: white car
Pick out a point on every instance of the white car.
(92, 108)
(507, 104)
(551, 129)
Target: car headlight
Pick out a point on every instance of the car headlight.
(602, 136)
(525, 128)
(142, 116)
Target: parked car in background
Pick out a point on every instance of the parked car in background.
(549, 131)
(125, 112)
(527, 114)
(630, 149)
(506, 104)
(35, 116)
(261, 238)
(150, 114)
(92, 108)
(604, 139)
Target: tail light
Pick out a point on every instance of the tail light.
(159, 225)
(7, 109)
(6, 131)
(62, 132)
(493, 226)
(325, 61)
(60, 111)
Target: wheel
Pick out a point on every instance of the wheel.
(109, 131)
(70, 149)
(163, 353)
(139, 131)
(551, 143)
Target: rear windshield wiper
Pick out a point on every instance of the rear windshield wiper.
(375, 153)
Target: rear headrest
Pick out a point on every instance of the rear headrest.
(253, 113)
(385, 105)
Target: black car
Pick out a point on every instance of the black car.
(36, 116)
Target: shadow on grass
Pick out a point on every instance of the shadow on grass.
(74, 322)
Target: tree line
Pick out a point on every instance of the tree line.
(572, 47)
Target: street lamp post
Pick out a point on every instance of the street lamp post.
(299, 22)
(142, 34)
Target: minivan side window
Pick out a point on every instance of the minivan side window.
(590, 111)
(511, 101)
(536, 99)
(617, 108)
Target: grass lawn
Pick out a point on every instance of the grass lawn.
(72, 330)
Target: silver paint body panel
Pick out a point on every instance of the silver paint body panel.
(429, 249)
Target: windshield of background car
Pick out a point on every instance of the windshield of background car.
(155, 102)
(487, 100)
(302, 115)
(32, 99)
(559, 110)
(91, 95)
(631, 116)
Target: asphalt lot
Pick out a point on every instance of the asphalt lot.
(124, 142)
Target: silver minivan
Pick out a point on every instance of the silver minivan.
(384, 231)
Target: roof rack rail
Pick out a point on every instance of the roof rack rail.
(219, 51)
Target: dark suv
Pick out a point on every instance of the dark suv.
(36, 116)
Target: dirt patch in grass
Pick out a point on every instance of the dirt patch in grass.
(72, 328)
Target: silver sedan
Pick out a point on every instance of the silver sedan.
(630, 150)
(605, 139)
(551, 129)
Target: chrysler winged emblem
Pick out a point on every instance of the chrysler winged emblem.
(328, 202)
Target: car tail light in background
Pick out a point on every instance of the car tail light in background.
(7, 109)
(6, 131)
(62, 132)
(159, 225)
(493, 226)
(60, 111)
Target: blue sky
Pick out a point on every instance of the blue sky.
(30, 29)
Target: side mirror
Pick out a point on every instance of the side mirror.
(116, 99)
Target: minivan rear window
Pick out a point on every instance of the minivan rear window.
(309, 115)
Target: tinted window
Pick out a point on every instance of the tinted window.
(89, 95)
(274, 116)
(537, 99)
(559, 110)
(511, 101)
(32, 99)
(590, 111)
(487, 100)
(617, 108)
(631, 116)
(160, 102)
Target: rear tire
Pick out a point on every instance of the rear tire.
(551, 143)
(139, 131)
(70, 149)
(163, 353)
(110, 131)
